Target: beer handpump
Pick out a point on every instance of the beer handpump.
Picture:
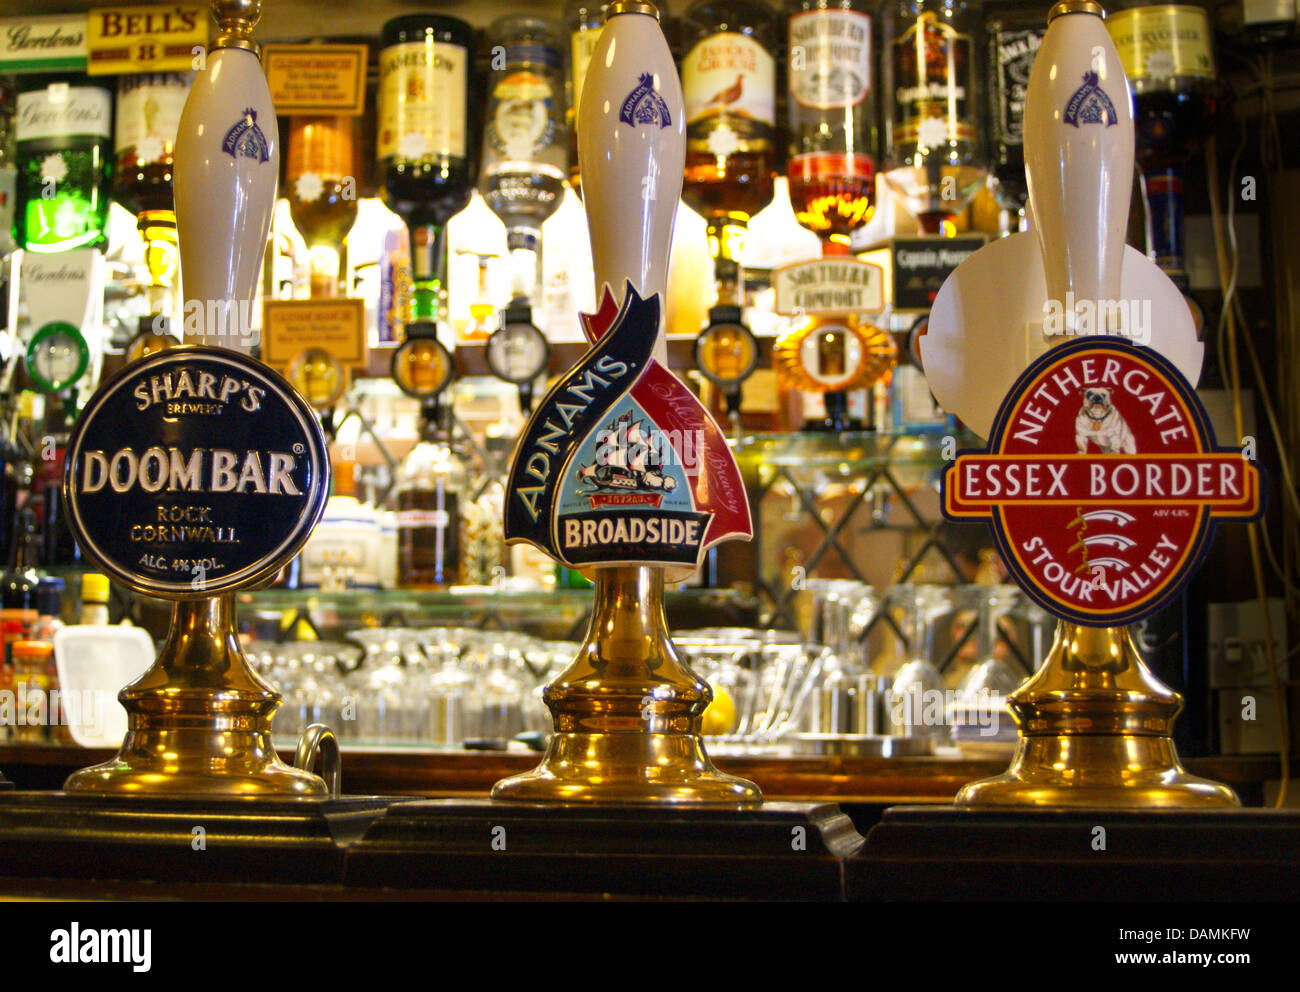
(197, 471)
(1099, 361)
(621, 472)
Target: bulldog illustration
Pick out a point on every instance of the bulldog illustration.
(1099, 422)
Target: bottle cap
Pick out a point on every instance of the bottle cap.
(49, 595)
(1075, 7)
(94, 588)
(33, 649)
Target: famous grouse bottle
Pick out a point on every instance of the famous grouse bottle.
(729, 87)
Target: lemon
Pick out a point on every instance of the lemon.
(720, 716)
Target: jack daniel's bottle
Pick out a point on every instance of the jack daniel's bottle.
(1013, 38)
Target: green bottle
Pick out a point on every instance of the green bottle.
(63, 137)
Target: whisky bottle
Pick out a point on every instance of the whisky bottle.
(729, 88)
(583, 19)
(1168, 56)
(431, 482)
(321, 179)
(935, 163)
(147, 115)
(424, 140)
(1013, 37)
(525, 141)
(63, 138)
(832, 116)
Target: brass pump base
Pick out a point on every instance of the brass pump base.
(627, 713)
(1095, 732)
(199, 721)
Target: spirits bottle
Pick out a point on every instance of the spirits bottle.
(525, 141)
(935, 163)
(1013, 37)
(832, 108)
(583, 19)
(1168, 56)
(424, 141)
(63, 138)
(321, 179)
(8, 176)
(729, 87)
(148, 113)
(431, 482)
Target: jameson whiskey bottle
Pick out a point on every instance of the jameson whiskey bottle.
(428, 492)
(935, 161)
(321, 179)
(583, 19)
(148, 114)
(729, 88)
(1168, 56)
(1013, 38)
(832, 164)
(525, 141)
(63, 137)
(423, 141)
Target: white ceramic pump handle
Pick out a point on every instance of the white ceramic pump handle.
(632, 150)
(1079, 154)
(227, 164)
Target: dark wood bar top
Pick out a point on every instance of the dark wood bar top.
(471, 774)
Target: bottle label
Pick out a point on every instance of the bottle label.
(421, 101)
(729, 87)
(194, 472)
(581, 43)
(1015, 52)
(830, 58)
(1158, 43)
(423, 518)
(149, 114)
(933, 85)
(522, 124)
(62, 111)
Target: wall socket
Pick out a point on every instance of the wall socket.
(1236, 643)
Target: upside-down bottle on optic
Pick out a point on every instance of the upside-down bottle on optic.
(583, 19)
(935, 160)
(729, 88)
(63, 136)
(1013, 36)
(321, 183)
(1168, 56)
(832, 115)
(425, 141)
(148, 114)
(525, 141)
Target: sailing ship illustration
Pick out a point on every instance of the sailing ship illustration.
(625, 460)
